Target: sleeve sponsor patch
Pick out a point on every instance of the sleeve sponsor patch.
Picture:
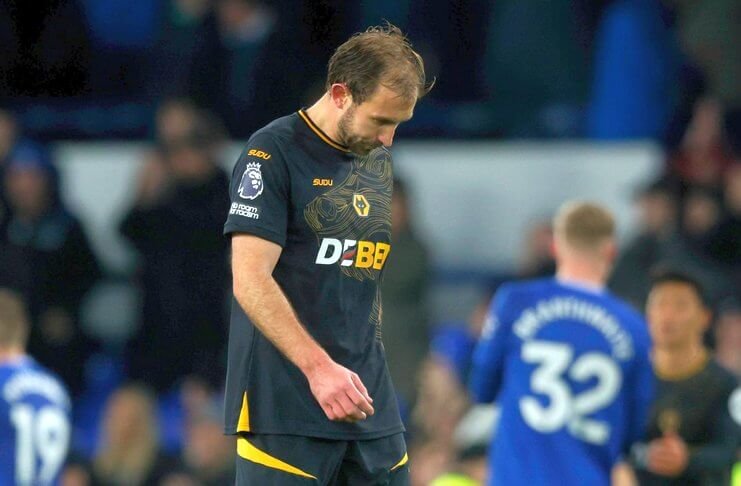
(244, 210)
(251, 185)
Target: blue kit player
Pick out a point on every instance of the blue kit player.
(34, 407)
(567, 362)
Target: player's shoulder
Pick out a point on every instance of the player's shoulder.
(30, 378)
(527, 288)
(278, 131)
(726, 379)
(521, 292)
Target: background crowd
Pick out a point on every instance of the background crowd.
(188, 75)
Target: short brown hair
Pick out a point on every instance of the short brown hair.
(584, 225)
(381, 55)
(13, 319)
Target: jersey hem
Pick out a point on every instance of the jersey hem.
(231, 228)
(320, 434)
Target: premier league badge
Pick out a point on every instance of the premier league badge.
(251, 184)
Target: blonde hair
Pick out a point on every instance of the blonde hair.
(13, 319)
(584, 225)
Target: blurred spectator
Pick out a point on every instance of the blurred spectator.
(62, 265)
(187, 27)
(472, 438)
(657, 229)
(710, 34)
(537, 258)
(175, 119)
(404, 290)
(8, 137)
(77, 472)
(725, 244)
(226, 78)
(635, 72)
(209, 455)
(129, 452)
(175, 224)
(703, 154)
(442, 399)
(728, 337)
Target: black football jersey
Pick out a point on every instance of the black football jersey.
(330, 211)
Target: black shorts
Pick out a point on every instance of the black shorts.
(278, 460)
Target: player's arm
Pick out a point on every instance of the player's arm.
(338, 390)
(640, 396)
(489, 355)
(720, 452)
(640, 388)
(257, 223)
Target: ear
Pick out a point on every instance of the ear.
(611, 251)
(340, 95)
(706, 318)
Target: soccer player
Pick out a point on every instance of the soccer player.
(692, 435)
(308, 391)
(567, 362)
(34, 406)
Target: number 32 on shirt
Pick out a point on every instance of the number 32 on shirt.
(554, 364)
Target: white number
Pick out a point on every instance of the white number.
(45, 435)
(565, 409)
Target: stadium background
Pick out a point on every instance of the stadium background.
(634, 103)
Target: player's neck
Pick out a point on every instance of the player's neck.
(8, 355)
(581, 275)
(322, 114)
(679, 362)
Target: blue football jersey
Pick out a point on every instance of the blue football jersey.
(34, 424)
(569, 367)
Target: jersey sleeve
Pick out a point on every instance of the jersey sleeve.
(259, 191)
(490, 351)
(640, 387)
(719, 453)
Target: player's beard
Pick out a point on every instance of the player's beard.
(346, 137)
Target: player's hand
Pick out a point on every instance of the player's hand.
(668, 456)
(340, 393)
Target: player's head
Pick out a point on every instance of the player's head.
(374, 79)
(584, 234)
(13, 321)
(677, 310)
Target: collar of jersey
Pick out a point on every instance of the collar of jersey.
(319, 133)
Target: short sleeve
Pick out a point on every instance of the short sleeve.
(259, 191)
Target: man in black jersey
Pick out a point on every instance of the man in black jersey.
(692, 433)
(308, 392)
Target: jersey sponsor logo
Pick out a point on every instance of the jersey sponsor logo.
(361, 205)
(250, 187)
(353, 253)
(259, 153)
(322, 182)
(239, 209)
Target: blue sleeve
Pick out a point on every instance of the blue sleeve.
(640, 390)
(488, 357)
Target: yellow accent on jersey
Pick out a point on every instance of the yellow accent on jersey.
(248, 451)
(320, 133)
(243, 424)
(403, 461)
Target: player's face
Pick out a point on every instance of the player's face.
(373, 123)
(676, 315)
